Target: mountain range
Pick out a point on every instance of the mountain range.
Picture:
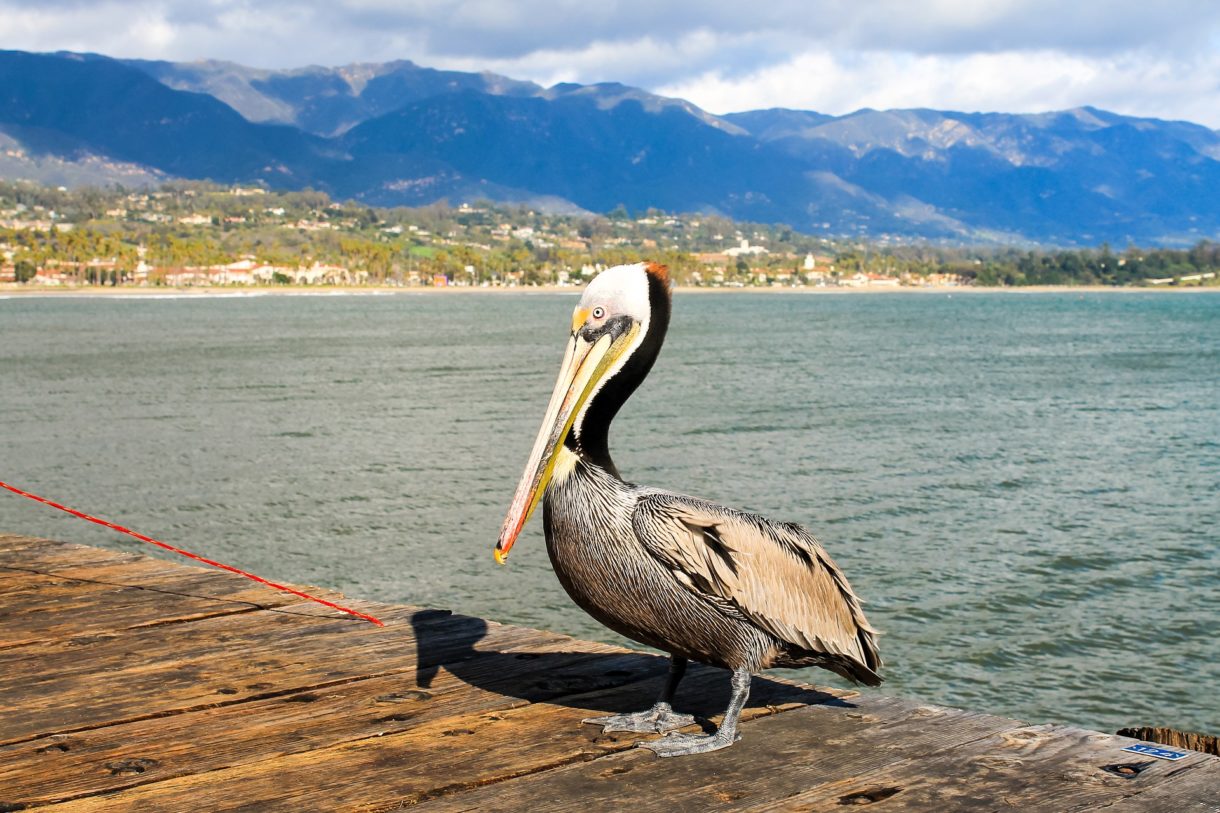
(400, 134)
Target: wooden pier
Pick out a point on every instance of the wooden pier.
(132, 683)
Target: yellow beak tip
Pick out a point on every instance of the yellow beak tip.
(501, 556)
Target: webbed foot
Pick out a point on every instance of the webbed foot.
(656, 720)
(679, 745)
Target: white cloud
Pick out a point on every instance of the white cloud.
(635, 62)
(145, 29)
(1158, 59)
(1135, 84)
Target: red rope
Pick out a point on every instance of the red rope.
(187, 553)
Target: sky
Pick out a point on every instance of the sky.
(1135, 57)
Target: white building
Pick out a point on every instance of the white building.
(745, 248)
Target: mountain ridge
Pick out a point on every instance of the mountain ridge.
(401, 134)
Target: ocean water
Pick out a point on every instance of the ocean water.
(1024, 487)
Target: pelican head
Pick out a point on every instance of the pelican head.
(617, 330)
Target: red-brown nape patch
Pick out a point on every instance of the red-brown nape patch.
(660, 272)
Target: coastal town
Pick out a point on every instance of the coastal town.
(185, 235)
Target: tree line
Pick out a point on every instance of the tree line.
(196, 224)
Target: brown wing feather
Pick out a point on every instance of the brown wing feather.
(776, 575)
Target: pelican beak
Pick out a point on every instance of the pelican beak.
(585, 365)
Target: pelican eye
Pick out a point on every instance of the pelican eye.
(599, 312)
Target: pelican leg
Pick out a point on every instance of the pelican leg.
(660, 718)
(677, 745)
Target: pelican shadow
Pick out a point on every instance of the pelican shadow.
(611, 683)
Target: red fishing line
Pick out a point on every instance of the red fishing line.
(188, 554)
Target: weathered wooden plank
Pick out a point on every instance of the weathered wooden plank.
(18, 542)
(46, 555)
(41, 607)
(103, 679)
(13, 581)
(138, 696)
(1193, 788)
(10, 541)
(35, 606)
(433, 757)
(1030, 768)
(159, 574)
(777, 757)
(166, 582)
(131, 568)
(539, 666)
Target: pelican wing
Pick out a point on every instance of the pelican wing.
(775, 575)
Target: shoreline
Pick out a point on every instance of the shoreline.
(13, 291)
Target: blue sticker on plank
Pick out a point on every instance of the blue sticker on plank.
(1158, 751)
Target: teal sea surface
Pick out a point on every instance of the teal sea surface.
(1025, 488)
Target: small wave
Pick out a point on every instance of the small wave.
(739, 430)
(259, 386)
(146, 297)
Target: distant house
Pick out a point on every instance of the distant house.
(180, 276)
(238, 273)
(319, 273)
(331, 274)
(267, 273)
(312, 225)
(52, 277)
(744, 247)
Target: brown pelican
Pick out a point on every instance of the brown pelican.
(689, 577)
